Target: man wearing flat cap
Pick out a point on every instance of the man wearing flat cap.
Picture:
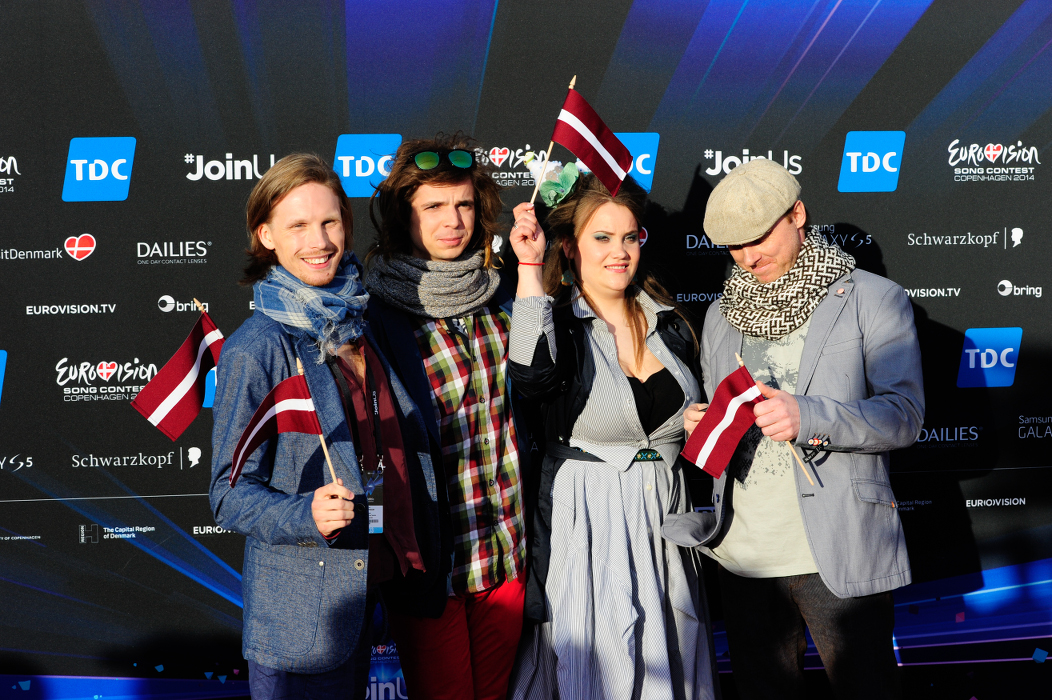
(835, 352)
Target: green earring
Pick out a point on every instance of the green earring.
(567, 278)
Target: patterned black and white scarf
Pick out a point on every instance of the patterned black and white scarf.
(780, 307)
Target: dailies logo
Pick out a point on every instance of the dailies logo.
(871, 161)
(225, 170)
(172, 252)
(8, 167)
(951, 436)
(363, 160)
(972, 157)
(99, 169)
(90, 381)
(989, 357)
(724, 165)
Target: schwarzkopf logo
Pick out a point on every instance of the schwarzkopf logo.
(229, 169)
(997, 239)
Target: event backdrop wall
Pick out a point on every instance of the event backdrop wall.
(133, 131)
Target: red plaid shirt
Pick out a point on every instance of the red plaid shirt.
(467, 367)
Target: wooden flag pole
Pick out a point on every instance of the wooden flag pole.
(547, 157)
(741, 363)
(332, 472)
(199, 306)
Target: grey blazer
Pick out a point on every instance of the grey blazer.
(860, 383)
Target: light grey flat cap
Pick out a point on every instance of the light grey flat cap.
(749, 201)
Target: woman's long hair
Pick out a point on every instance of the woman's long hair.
(565, 223)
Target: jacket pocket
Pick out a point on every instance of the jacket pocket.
(873, 492)
(282, 601)
(842, 346)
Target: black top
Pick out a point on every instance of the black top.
(657, 399)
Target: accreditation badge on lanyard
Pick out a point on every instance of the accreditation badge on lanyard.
(374, 491)
(374, 478)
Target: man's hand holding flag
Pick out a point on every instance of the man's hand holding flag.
(734, 408)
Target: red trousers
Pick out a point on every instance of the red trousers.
(466, 653)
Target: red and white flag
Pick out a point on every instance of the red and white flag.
(288, 408)
(581, 130)
(728, 417)
(174, 397)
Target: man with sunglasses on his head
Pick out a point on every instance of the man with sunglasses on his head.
(835, 353)
(442, 317)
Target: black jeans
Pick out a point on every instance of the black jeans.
(766, 618)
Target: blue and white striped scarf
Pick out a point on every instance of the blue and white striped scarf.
(331, 314)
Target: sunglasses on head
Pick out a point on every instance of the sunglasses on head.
(429, 160)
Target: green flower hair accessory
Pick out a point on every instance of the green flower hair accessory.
(553, 192)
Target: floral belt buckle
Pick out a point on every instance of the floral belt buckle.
(647, 456)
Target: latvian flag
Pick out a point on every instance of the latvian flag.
(581, 130)
(173, 398)
(288, 408)
(728, 417)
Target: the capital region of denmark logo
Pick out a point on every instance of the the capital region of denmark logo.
(871, 161)
(99, 169)
(363, 160)
(989, 357)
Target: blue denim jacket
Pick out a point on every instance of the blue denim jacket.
(304, 600)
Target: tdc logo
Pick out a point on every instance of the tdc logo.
(363, 160)
(643, 146)
(871, 161)
(989, 357)
(99, 169)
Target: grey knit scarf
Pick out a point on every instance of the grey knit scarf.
(775, 309)
(434, 288)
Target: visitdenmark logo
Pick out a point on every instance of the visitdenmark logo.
(80, 247)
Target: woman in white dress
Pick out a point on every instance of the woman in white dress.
(620, 612)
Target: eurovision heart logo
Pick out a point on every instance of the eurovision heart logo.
(993, 151)
(80, 247)
(106, 370)
(499, 155)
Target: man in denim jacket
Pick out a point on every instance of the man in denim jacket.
(306, 631)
